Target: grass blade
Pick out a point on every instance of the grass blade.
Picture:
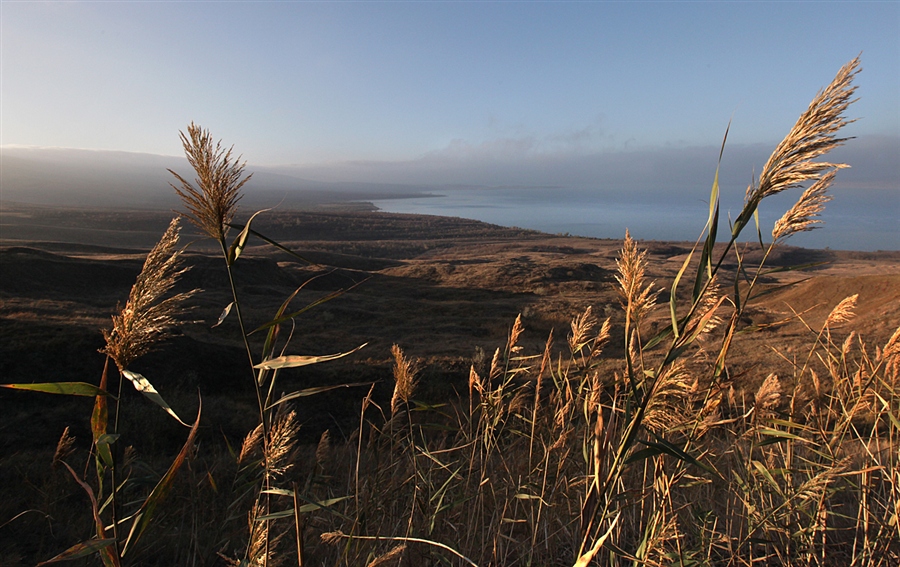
(316, 303)
(145, 514)
(100, 420)
(273, 329)
(758, 231)
(110, 559)
(761, 468)
(241, 240)
(144, 386)
(664, 446)
(672, 300)
(585, 559)
(313, 391)
(792, 268)
(712, 225)
(643, 454)
(223, 315)
(304, 509)
(79, 550)
(64, 388)
(295, 360)
(272, 242)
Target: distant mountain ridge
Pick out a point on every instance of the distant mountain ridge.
(74, 177)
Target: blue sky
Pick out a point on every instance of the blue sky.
(314, 83)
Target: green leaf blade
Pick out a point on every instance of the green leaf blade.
(63, 388)
(145, 514)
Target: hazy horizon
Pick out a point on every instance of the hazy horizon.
(363, 101)
(659, 194)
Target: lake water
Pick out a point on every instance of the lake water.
(867, 223)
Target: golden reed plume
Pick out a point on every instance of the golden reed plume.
(213, 202)
(146, 317)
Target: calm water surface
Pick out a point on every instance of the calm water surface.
(849, 224)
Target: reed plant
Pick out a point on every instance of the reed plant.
(572, 458)
(565, 456)
(148, 315)
(211, 204)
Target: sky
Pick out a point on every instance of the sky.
(325, 82)
(635, 95)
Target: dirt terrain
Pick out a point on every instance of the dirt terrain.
(446, 290)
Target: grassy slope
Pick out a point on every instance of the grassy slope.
(441, 288)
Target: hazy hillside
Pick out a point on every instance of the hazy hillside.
(70, 177)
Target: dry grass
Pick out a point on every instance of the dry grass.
(560, 456)
(799, 476)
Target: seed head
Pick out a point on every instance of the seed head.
(637, 299)
(146, 317)
(802, 216)
(814, 134)
(212, 203)
(405, 382)
(843, 311)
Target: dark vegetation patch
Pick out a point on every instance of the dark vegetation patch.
(29, 272)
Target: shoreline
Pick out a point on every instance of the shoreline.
(21, 223)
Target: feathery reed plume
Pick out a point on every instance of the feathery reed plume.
(213, 202)
(146, 317)
(581, 325)
(817, 384)
(813, 488)
(261, 548)
(710, 301)
(666, 404)
(250, 444)
(664, 533)
(64, 447)
(710, 415)
(514, 335)
(279, 451)
(802, 216)
(332, 538)
(496, 368)
(890, 354)
(394, 554)
(602, 338)
(769, 393)
(323, 451)
(843, 311)
(592, 400)
(791, 164)
(517, 403)
(404, 378)
(848, 343)
(474, 382)
(636, 298)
